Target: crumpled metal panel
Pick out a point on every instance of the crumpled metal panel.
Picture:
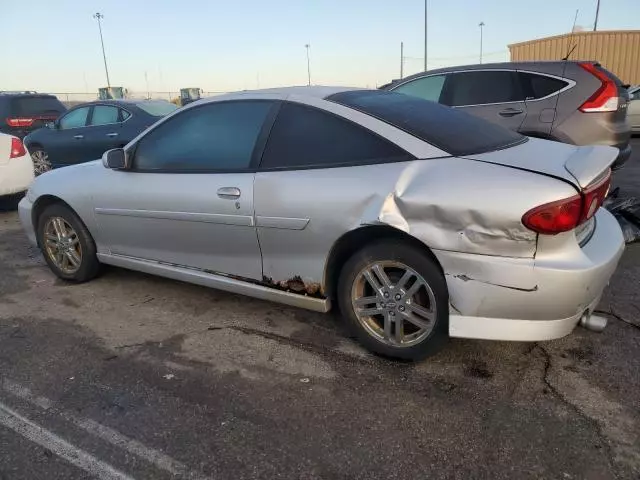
(449, 204)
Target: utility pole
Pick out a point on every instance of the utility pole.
(146, 81)
(595, 24)
(308, 66)
(481, 25)
(425, 35)
(99, 16)
(401, 60)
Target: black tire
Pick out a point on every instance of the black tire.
(423, 264)
(89, 266)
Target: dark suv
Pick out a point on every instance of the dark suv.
(573, 102)
(23, 112)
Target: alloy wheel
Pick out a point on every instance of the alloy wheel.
(394, 303)
(62, 245)
(41, 163)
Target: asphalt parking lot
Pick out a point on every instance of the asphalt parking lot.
(132, 376)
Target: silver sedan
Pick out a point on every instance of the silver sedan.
(418, 221)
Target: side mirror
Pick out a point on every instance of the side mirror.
(115, 159)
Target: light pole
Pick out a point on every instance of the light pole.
(425, 35)
(481, 25)
(595, 24)
(99, 16)
(308, 65)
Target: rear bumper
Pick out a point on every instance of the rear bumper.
(16, 175)
(528, 299)
(623, 156)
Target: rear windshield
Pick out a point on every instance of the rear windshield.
(24, 106)
(456, 132)
(157, 108)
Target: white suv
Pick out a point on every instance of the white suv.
(16, 166)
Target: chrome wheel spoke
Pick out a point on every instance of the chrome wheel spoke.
(425, 313)
(73, 258)
(387, 326)
(367, 312)
(364, 301)
(417, 321)
(382, 276)
(373, 281)
(413, 289)
(399, 333)
(404, 279)
(62, 245)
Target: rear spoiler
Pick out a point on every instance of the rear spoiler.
(588, 163)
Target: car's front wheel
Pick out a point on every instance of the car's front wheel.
(395, 300)
(41, 163)
(67, 245)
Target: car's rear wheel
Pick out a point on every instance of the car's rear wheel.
(41, 163)
(395, 300)
(67, 245)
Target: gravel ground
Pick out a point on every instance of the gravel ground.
(132, 376)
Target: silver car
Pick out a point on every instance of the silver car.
(418, 221)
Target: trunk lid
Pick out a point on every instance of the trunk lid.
(578, 165)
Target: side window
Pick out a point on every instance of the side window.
(635, 95)
(427, 88)
(482, 87)
(124, 115)
(74, 119)
(540, 86)
(304, 136)
(104, 115)
(216, 136)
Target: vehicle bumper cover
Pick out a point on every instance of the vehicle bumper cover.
(502, 298)
(24, 211)
(16, 175)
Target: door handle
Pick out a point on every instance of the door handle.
(78, 137)
(510, 112)
(229, 193)
(113, 134)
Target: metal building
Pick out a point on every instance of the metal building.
(617, 50)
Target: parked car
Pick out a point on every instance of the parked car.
(580, 103)
(86, 131)
(420, 221)
(16, 168)
(633, 112)
(24, 112)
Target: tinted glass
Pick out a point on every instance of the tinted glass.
(36, 106)
(218, 136)
(428, 88)
(103, 115)
(74, 119)
(157, 108)
(124, 114)
(539, 86)
(478, 88)
(451, 130)
(304, 136)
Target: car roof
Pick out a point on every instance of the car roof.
(533, 65)
(24, 94)
(316, 91)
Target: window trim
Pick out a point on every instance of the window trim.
(117, 107)
(256, 154)
(355, 163)
(571, 84)
(79, 107)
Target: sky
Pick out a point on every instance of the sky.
(244, 44)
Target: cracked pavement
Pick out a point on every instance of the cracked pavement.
(159, 379)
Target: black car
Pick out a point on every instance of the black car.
(88, 130)
(24, 112)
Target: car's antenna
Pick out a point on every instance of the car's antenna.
(564, 66)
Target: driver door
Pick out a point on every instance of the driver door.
(187, 198)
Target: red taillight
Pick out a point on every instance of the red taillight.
(20, 122)
(555, 217)
(605, 99)
(17, 148)
(564, 215)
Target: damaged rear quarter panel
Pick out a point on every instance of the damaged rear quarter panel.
(449, 204)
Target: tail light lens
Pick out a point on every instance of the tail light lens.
(564, 215)
(17, 148)
(605, 99)
(20, 122)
